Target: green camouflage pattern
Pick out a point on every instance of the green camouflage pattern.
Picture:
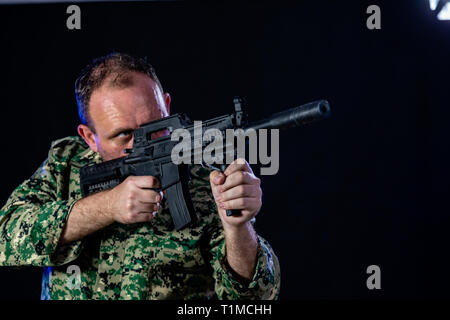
(139, 261)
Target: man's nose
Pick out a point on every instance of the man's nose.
(128, 146)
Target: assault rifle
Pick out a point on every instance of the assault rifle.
(153, 157)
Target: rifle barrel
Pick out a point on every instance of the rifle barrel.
(294, 117)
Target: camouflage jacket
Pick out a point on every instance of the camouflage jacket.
(138, 261)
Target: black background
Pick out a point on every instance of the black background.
(367, 186)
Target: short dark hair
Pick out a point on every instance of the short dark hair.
(115, 67)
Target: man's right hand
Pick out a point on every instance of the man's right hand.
(133, 200)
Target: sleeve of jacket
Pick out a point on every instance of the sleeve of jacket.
(265, 284)
(32, 220)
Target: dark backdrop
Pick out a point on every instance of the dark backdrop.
(368, 186)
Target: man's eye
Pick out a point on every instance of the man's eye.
(124, 134)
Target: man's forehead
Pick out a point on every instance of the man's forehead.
(132, 105)
(138, 87)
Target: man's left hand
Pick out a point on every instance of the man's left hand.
(236, 188)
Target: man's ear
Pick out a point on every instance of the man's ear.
(89, 137)
(167, 100)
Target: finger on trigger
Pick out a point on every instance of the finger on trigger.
(147, 182)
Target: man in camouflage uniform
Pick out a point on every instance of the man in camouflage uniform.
(123, 240)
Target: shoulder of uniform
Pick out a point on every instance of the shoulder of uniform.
(69, 141)
(68, 149)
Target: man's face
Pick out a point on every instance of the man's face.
(116, 112)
